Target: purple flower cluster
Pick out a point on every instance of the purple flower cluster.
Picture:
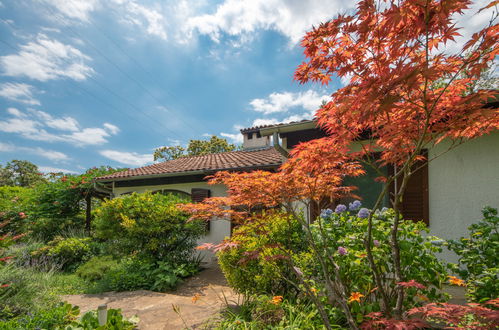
(326, 213)
(355, 205)
(376, 242)
(340, 208)
(342, 251)
(363, 213)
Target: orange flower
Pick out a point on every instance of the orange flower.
(276, 300)
(456, 281)
(355, 296)
(196, 298)
(314, 290)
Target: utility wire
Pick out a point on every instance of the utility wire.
(119, 111)
(117, 67)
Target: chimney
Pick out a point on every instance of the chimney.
(254, 140)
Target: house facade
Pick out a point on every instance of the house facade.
(447, 194)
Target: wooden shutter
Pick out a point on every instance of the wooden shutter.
(198, 195)
(415, 202)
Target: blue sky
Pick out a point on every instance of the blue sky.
(91, 82)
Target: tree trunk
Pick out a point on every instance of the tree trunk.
(88, 212)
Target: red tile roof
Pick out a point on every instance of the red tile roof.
(233, 160)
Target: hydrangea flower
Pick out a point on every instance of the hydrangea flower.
(355, 205)
(363, 213)
(326, 213)
(340, 208)
(342, 251)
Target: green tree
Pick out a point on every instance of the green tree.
(169, 153)
(195, 148)
(20, 173)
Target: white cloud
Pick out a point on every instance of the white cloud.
(15, 112)
(471, 21)
(111, 128)
(5, 147)
(64, 123)
(241, 18)
(49, 169)
(34, 124)
(127, 158)
(235, 138)
(76, 9)
(52, 155)
(149, 19)
(88, 136)
(282, 102)
(19, 92)
(46, 59)
(265, 121)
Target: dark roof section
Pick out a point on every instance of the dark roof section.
(257, 128)
(233, 160)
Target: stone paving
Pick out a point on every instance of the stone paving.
(198, 301)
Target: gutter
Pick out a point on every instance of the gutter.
(303, 125)
(278, 147)
(103, 189)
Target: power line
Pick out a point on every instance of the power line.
(117, 67)
(98, 98)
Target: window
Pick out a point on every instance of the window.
(250, 136)
(178, 193)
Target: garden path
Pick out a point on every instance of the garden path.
(155, 309)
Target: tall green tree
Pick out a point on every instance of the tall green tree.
(20, 173)
(195, 148)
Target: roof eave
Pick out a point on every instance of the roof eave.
(187, 173)
(311, 124)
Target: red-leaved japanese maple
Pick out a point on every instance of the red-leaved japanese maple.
(406, 93)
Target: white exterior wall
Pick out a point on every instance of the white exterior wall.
(461, 182)
(255, 142)
(219, 228)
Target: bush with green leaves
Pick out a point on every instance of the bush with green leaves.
(96, 268)
(254, 263)
(340, 235)
(65, 316)
(149, 225)
(267, 312)
(26, 291)
(69, 252)
(59, 316)
(15, 209)
(478, 256)
(136, 273)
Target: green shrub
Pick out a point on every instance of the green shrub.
(341, 235)
(265, 312)
(255, 264)
(95, 268)
(28, 291)
(47, 228)
(135, 273)
(15, 206)
(25, 254)
(65, 316)
(69, 253)
(115, 321)
(150, 225)
(479, 257)
(60, 316)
